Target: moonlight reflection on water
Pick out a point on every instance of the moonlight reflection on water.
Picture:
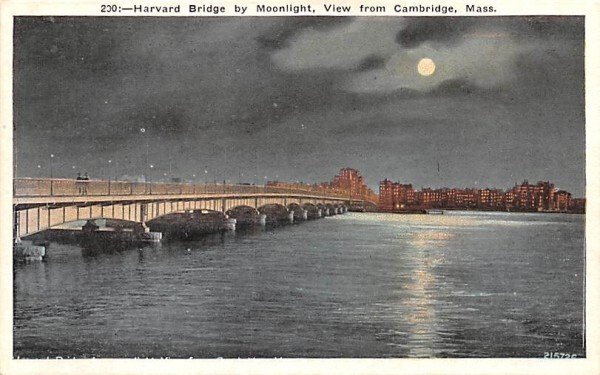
(357, 285)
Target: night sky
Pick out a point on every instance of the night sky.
(296, 99)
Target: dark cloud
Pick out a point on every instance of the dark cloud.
(452, 30)
(457, 87)
(285, 28)
(210, 96)
(545, 27)
(437, 29)
(371, 62)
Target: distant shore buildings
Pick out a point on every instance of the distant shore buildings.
(398, 197)
(525, 197)
(348, 182)
(353, 184)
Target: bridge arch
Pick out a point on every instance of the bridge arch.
(241, 210)
(313, 211)
(115, 224)
(188, 224)
(298, 211)
(30, 220)
(40, 204)
(275, 212)
(246, 215)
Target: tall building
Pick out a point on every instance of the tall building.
(428, 197)
(395, 196)
(563, 200)
(538, 197)
(350, 180)
(488, 199)
(386, 195)
(353, 184)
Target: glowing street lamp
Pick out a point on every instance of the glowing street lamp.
(143, 131)
(51, 166)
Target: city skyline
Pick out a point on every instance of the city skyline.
(274, 98)
(542, 196)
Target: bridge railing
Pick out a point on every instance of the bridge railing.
(41, 187)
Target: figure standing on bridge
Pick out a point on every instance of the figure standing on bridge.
(79, 184)
(85, 179)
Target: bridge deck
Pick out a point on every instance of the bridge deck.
(47, 191)
(32, 200)
(41, 204)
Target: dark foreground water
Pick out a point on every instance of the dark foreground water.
(358, 285)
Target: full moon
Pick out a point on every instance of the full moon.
(426, 67)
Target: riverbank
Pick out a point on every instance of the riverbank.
(441, 210)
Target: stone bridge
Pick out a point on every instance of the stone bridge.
(41, 204)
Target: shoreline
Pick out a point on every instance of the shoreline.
(439, 211)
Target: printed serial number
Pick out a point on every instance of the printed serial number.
(109, 8)
(559, 355)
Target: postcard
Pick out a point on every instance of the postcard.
(299, 187)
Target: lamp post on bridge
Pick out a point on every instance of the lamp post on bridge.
(51, 174)
(110, 174)
(148, 179)
(51, 166)
(146, 162)
(112, 169)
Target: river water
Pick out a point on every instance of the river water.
(462, 284)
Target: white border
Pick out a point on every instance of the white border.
(589, 365)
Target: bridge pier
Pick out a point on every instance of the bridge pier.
(90, 227)
(262, 219)
(325, 211)
(143, 228)
(26, 250)
(144, 234)
(229, 223)
(151, 236)
(304, 214)
(291, 217)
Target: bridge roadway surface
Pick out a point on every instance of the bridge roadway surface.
(41, 204)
